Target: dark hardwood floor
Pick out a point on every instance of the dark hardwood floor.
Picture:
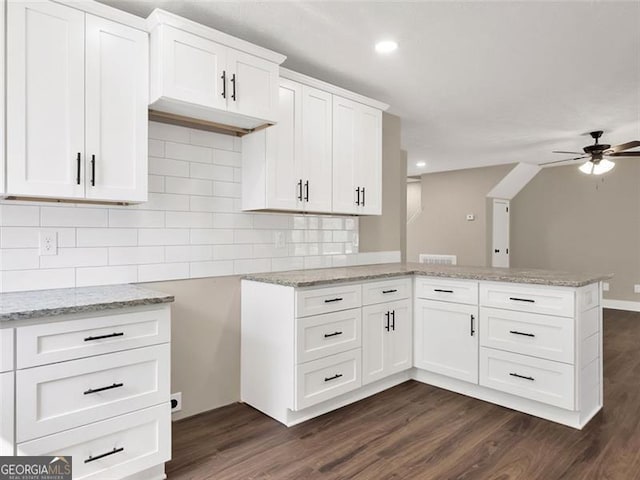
(416, 431)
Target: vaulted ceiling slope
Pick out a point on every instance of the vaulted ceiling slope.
(476, 83)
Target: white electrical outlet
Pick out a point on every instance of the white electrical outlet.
(48, 242)
(470, 217)
(278, 240)
(176, 399)
(636, 289)
(605, 286)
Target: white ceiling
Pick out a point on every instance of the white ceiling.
(475, 83)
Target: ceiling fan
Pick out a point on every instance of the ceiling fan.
(598, 155)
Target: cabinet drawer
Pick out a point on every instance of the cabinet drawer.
(325, 300)
(66, 395)
(533, 378)
(327, 378)
(328, 334)
(6, 414)
(68, 340)
(6, 349)
(458, 291)
(387, 291)
(541, 336)
(132, 443)
(527, 298)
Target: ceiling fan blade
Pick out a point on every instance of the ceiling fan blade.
(623, 154)
(568, 153)
(623, 146)
(565, 160)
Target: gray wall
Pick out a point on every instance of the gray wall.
(447, 198)
(566, 220)
(387, 232)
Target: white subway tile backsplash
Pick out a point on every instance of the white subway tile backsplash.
(73, 217)
(190, 153)
(163, 271)
(191, 226)
(19, 215)
(106, 275)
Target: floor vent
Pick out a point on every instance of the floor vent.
(438, 259)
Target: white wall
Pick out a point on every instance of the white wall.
(191, 227)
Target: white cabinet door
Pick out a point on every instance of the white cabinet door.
(344, 156)
(284, 151)
(316, 149)
(446, 339)
(369, 159)
(253, 86)
(192, 69)
(6, 414)
(45, 100)
(386, 340)
(116, 111)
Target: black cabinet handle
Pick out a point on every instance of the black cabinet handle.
(328, 379)
(102, 389)
(442, 291)
(98, 457)
(358, 196)
(300, 190)
(334, 334)
(387, 315)
(515, 332)
(78, 169)
(497, 250)
(100, 337)
(93, 170)
(393, 320)
(224, 84)
(363, 197)
(333, 300)
(233, 81)
(394, 290)
(306, 191)
(516, 299)
(473, 330)
(522, 376)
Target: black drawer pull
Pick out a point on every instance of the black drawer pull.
(101, 337)
(102, 389)
(515, 332)
(442, 291)
(516, 299)
(328, 379)
(98, 457)
(334, 334)
(390, 291)
(522, 376)
(333, 300)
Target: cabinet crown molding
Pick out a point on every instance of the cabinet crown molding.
(162, 17)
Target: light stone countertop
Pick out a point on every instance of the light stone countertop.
(64, 301)
(323, 276)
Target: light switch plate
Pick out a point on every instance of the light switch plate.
(605, 286)
(636, 289)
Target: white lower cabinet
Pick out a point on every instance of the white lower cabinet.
(446, 340)
(6, 414)
(112, 449)
(386, 340)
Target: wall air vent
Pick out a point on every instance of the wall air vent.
(438, 259)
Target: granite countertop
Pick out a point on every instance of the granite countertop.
(322, 276)
(64, 301)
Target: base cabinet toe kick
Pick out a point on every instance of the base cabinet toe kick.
(532, 348)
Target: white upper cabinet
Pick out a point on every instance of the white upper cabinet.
(76, 105)
(198, 72)
(324, 155)
(116, 111)
(45, 100)
(357, 158)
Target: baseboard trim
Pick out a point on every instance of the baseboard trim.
(621, 305)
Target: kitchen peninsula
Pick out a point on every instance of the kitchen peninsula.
(316, 340)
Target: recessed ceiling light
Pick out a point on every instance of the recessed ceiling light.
(386, 46)
(421, 164)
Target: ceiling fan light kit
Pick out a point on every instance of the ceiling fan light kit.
(593, 168)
